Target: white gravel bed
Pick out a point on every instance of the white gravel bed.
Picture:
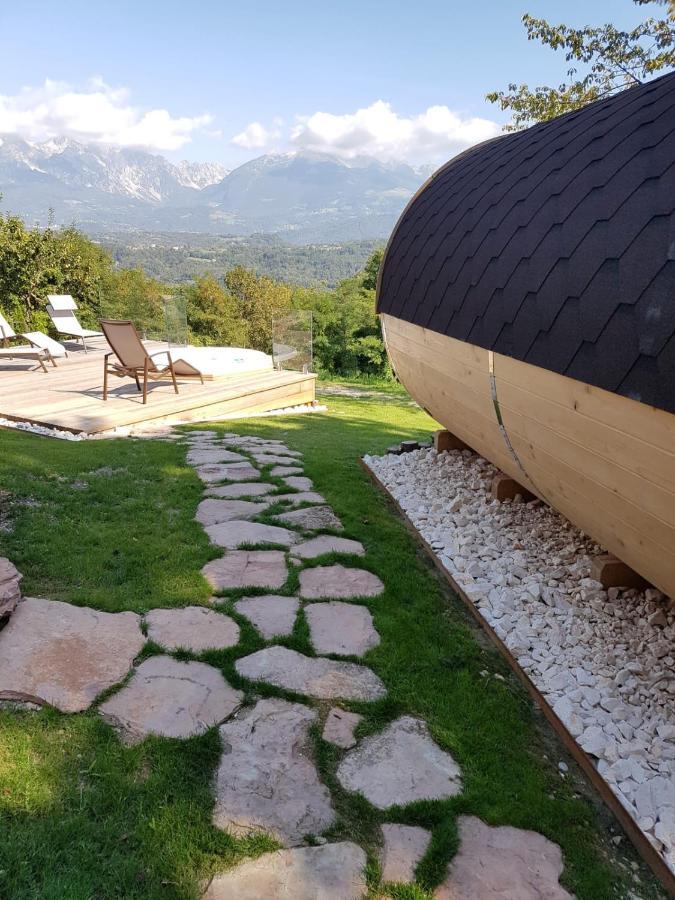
(598, 656)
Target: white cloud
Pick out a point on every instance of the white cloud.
(97, 113)
(256, 137)
(433, 135)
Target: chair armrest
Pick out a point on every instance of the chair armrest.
(166, 353)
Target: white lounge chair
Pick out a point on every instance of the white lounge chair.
(40, 347)
(60, 309)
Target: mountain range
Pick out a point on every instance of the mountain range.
(301, 197)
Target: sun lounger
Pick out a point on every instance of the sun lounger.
(61, 311)
(135, 361)
(40, 347)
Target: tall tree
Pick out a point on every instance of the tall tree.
(260, 301)
(611, 60)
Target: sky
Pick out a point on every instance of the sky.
(225, 82)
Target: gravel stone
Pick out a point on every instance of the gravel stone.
(171, 699)
(52, 652)
(400, 765)
(267, 780)
(324, 679)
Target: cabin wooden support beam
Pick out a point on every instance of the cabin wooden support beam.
(504, 487)
(612, 572)
(446, 440)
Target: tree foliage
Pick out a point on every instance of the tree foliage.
(611, 60)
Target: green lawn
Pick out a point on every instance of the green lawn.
(109, 524)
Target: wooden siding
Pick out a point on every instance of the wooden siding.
(606, 462)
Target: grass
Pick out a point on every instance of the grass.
(81, 816)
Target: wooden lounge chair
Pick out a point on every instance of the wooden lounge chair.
(40, 347)
(135, 361)
(61, 311)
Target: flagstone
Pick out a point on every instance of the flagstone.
(328, 872)
(404, 846)
(215, 472)
(170, 698)
(327, 543)
(10, 592)
(214, 511)
(502, 863)
(237, 491)
(338, 582)
(52, 652)
(201, 457)
(312, 518)
(344, 629)
(270, 459)
(300, 497)
(236, 532)
(193, 628)
(282, 471)
(299, 482)
(267, 780)
(272, 615)
(247, 568)
(400, 765)
(339, 727)
(324, 679)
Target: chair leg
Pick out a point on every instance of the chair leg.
(84, 344)
(42, 363)
(105, 379)
(138, 384)
(145, 381)
(173, 376)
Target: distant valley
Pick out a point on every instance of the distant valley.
(300, 198)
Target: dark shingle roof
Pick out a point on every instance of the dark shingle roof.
(555, 246)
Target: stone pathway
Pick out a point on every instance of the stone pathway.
(267, 780)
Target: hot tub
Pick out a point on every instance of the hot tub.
(221, 362)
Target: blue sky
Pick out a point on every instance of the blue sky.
(185, 79)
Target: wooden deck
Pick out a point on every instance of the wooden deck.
(70, 396)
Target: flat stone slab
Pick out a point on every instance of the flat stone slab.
(327, 543)
(283, 471)
(341, 628)
(171, 699)
(339, 727)
(299, 482)
(236, 491)
(400, 765)
(338, 582)
(192, 628)
(10, 592)
(267, 780)
(330, 872)
(272, 616)
(213, 511)
(237, 532)
(270, 459)
(222, 472)
(312, 518)
(500, 863)
(324, 679)
(52, 652)
(404, 846)
(199, 456)
(300, 497)
(247, 568)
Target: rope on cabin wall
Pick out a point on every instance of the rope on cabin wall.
(500, 422)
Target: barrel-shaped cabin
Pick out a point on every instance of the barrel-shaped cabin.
(527, 299)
